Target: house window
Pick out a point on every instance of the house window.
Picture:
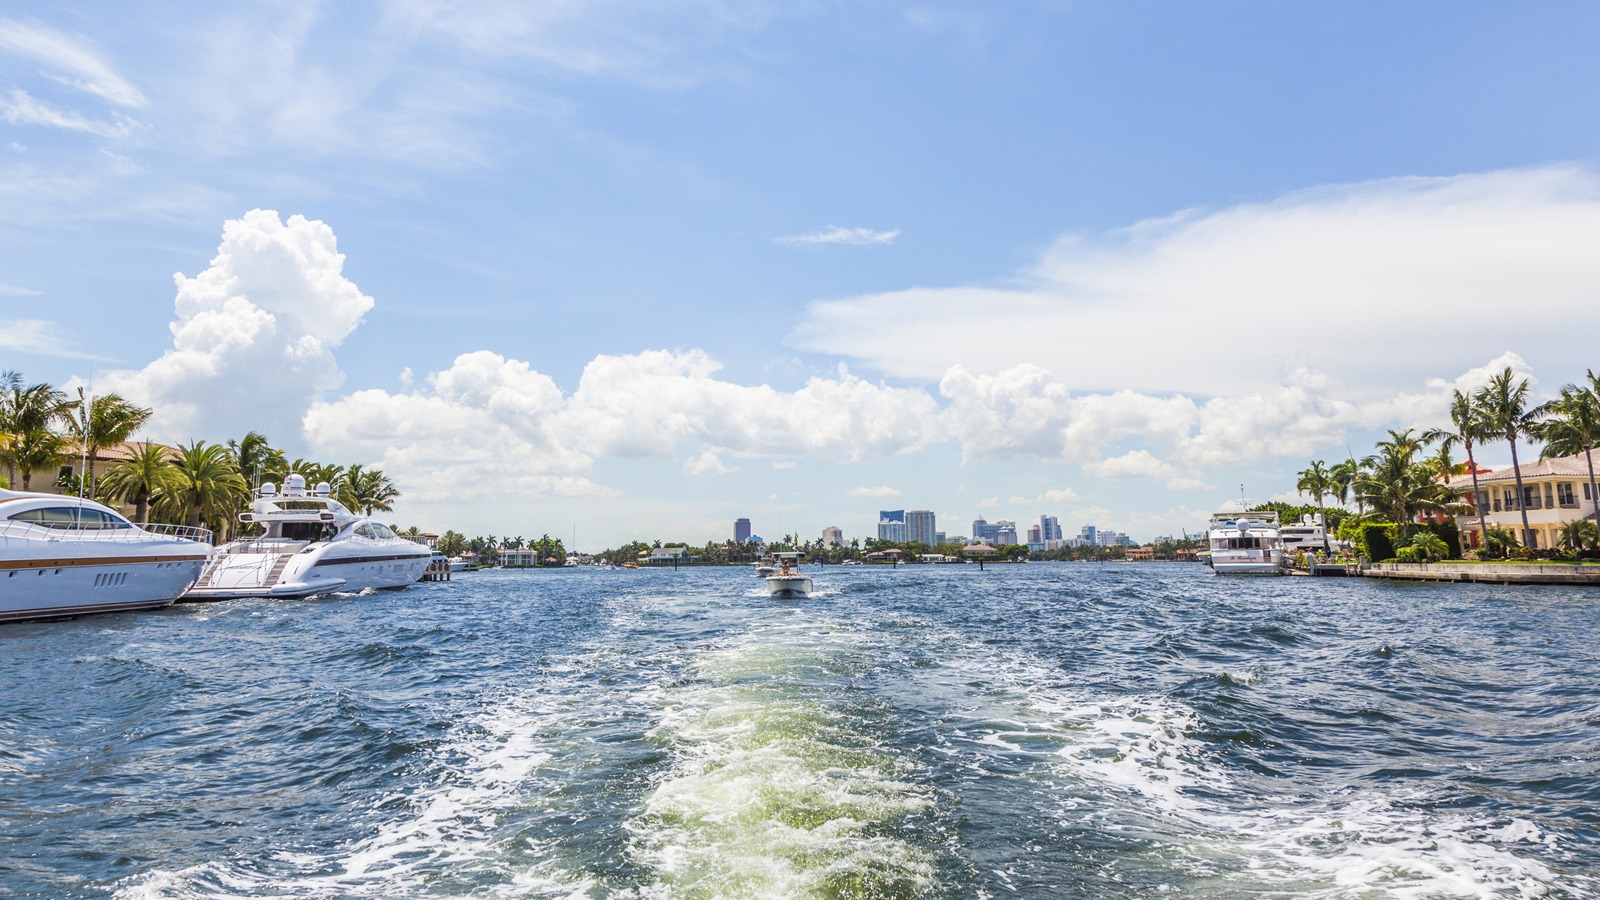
(1565, 494)
(1511, 499)
(1586, 490)
(1483, 500)
(1530, 496)
(1549, 498)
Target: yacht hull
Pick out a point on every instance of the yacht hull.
(43, 589)
(289, 572)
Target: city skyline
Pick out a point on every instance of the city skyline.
(619, 271)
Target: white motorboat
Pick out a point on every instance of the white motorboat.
(309, 543)
(788, 582)
(1247, 543)
(67, 556)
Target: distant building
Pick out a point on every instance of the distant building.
(983, 532)
(920, 527)
(1005, 533)
(938, 537)
(1035, 536)
(1049, 528)
(1087, 535)
(832, 537)
(741, 531)
(892, 525)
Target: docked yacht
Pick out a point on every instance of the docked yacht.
(67, 556)
(788, 582)
(1248, 543)
(1309, 535)
(308, 543)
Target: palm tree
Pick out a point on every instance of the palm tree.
(257, 460)
(146, 473)
(451, 543)
(206, 486)
(28, 416)
(110, 421)
(1504, 406)
(1398, 486)
(316, 473)
(1569, 425)
(1470, 427)
(1344, 475)
(1429, 546)
(1317, 481)
(368, 490)
(1579, 535)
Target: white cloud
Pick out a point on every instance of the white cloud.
(1133, 464)
(38, 337)
(834, 234)
(706, 463)
(1342, 279)
(1057, 495)
(74, 61)
(652, 403)
(881, 491)
(7, 290)
(784, 464)
(253, 341)
(18, 108)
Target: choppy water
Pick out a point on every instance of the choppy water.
(1030, 731)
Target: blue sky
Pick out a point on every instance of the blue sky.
(632, 270)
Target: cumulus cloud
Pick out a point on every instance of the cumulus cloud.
(834, 234)
(881, 491)
(1057, 495)
(1343, 279)
(652, 403)
(255, 333)
(706, 463)
(481, 428)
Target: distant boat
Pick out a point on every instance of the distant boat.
(1248, 543)
(766, 567)
(788, 582)
(68, 556)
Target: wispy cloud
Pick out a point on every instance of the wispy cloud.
(883, 491)
(39, 338)
(73, 61)
(835, 234)
(7, 290)
(18, 108)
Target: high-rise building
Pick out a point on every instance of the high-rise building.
(1005, 533)
(920, 527)
(1035, 534)
(741, 531)
(1049, 528)
(985, 533)
(832, 537)
(892, 525)
(1087, 535)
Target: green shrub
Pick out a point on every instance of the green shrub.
(1377, 540)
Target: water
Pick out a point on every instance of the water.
(1049, 730)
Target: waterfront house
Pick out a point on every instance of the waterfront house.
(1554, 492)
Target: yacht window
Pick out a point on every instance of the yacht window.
(302, 531)
(54, 517)
(365, 530)
(382, 531)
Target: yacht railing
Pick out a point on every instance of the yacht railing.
(101, 532)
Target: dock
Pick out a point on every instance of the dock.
(1488, 573)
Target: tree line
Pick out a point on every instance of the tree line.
(195, 483)
(1407, 476)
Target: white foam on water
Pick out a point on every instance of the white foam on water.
(776, 788)
(1133, 761)
(449, 824)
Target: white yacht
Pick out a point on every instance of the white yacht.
(309, 543)
(1309, 534)
(788, 582)
(1247, 543)
(67, 556)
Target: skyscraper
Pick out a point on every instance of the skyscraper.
(741, 530)
(1049, 528)
(892, 525)
(920, 527)
(832, 537)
